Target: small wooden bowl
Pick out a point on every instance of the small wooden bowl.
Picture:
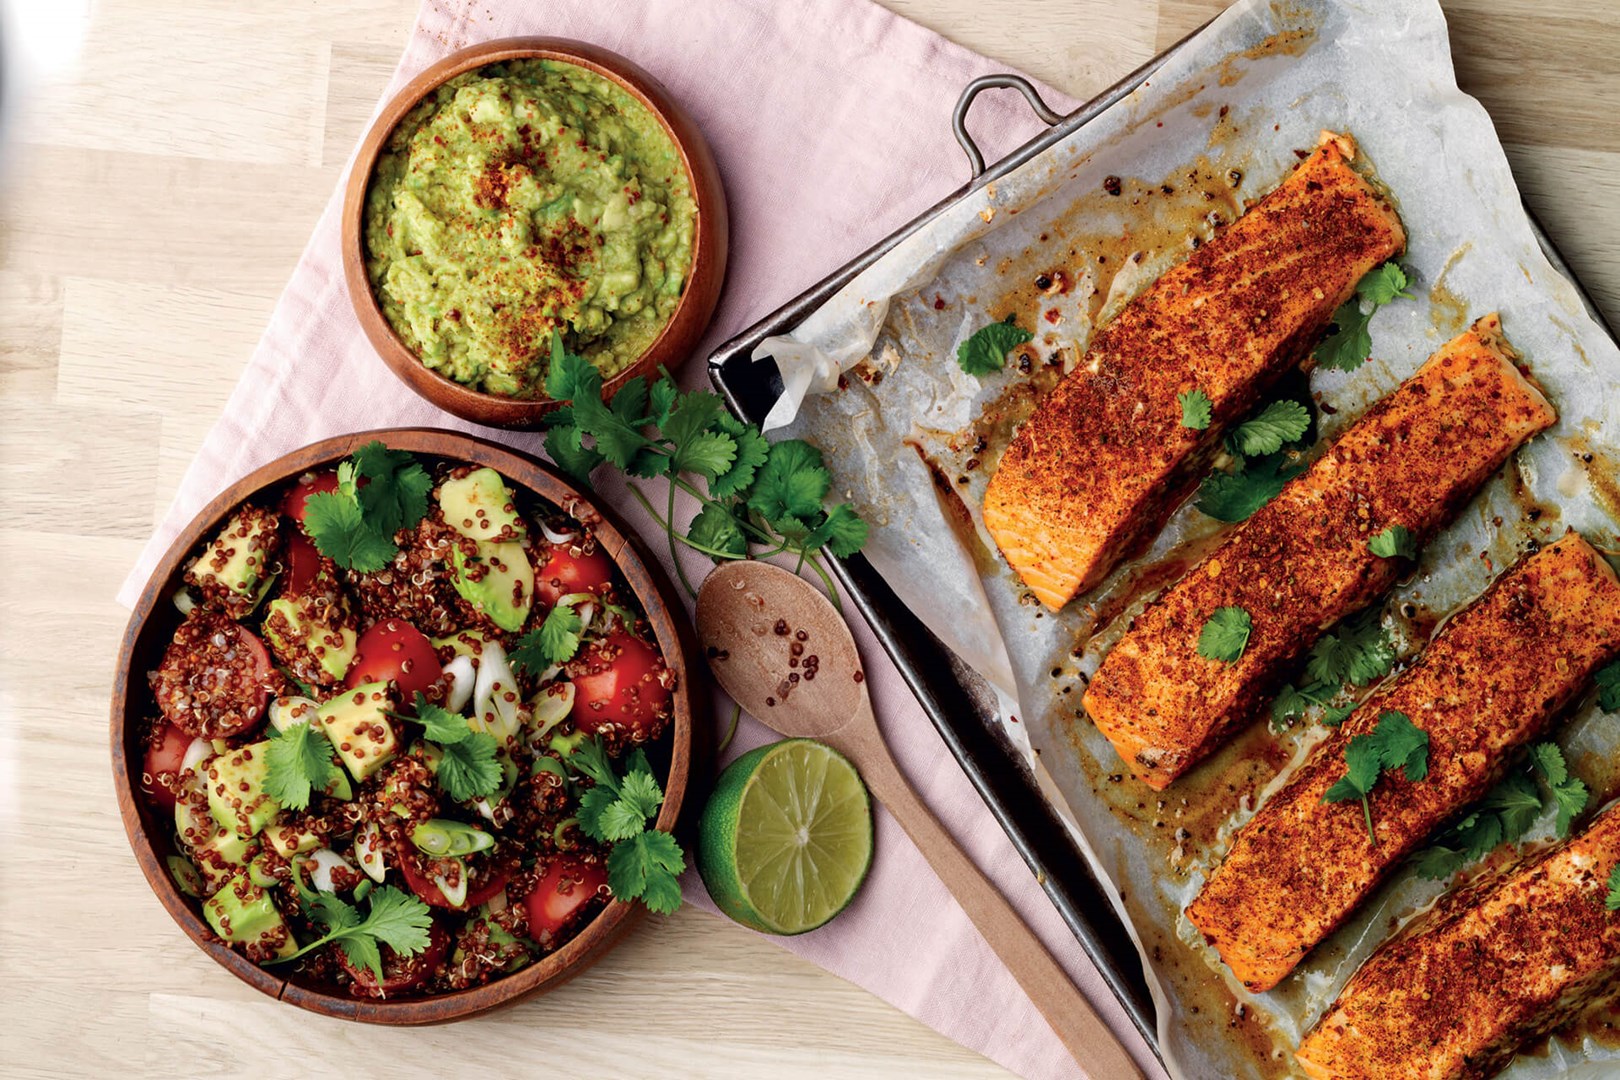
(686, 325)
(153, 624)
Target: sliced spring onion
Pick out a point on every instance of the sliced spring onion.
(184, 601)
(441, 836)
(290, 710)
(551, 707)
(463, 676)
(454, 895)
(368, 850)
(326, 860)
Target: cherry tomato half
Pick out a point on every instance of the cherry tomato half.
(395, 650)
(477, 893)
(162, 765)
(567, 886)
(565, 572)
(319, 483)
(400, 973)
(218, 653)
(619, 682)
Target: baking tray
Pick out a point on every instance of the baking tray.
(957, 700)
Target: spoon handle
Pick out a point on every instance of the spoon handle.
(1082, 1032)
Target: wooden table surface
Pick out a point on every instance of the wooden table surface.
(156, 193)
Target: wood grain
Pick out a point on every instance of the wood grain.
(134, 282)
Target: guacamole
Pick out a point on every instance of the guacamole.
(522, 199)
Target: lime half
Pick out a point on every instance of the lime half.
(786, 838)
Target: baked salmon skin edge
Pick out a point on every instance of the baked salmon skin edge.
(1092, 476)
(1501, 961)
(1493, 680)
(1303, 562)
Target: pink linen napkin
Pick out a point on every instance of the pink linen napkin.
(831, 123)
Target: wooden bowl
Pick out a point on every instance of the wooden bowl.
(153, 624)
(686, 325)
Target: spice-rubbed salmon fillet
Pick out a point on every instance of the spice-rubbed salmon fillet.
(1302, 562)
(1492, 680)
(1492, 966)
(1104, 460)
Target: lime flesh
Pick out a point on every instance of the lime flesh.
(786, 838)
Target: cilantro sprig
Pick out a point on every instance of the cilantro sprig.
(1349, 343)
(1395, 743)
(354, 526)
(393, 918)
(1612, 901)
(1608, 686)
(760, 494)
(1264, 457)
(986, 349)
(1358, 652)
(643, 863)
(299, 763)
(468, 767)
(1507, 812)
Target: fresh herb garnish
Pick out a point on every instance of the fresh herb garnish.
(759, 492)
(394, 918)
(1612, 901)
(1507, 812)
(986, 350)
(555, 641)
(1396, 743)
(1253, 482)
(1278, 424)
(1357, 653)
(468, 768)
(298, 764)
(354, 526)
(1196, 409)
(643, 864)
(1608, 684)
(1350, 343)
(1225, 635)
(1395, 541)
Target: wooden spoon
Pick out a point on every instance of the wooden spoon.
(782, 651)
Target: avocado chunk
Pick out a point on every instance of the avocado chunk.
(236, 796)
(356, 722)
(469, 643)
(243, 914)
(221, 856)
(315, 640)
(498, 581)
(290, 840)
(232, 570)
(480, 507)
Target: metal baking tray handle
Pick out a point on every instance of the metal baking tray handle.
(995, 82)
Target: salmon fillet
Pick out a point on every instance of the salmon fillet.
(1302, 562)
(1489, 968)
(1095, 472)
(1492, 680)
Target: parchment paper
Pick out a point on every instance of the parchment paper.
(911, 440)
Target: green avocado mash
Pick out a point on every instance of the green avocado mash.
(525, 198)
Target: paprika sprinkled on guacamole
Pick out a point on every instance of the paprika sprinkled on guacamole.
(522, 199)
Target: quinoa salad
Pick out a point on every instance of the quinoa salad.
(406, 730)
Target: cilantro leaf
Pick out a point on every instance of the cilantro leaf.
(791, 483)
(620, 821)
(715, 528)
(1291, 702)
(571, 377)
(1608, 684)
(662, 398)
(396, 494)
(1569, 792)
(986, 350)
(843, 532)
(1516, 803)
(1334, 715)
(1612, 901)
(592, 805)
(752, 450)
(1233, 496)
(647, 867)
(439, 724)
(1225, 635)
(469, 767)
(710, 454)
(298, 764)
(630, 401)
(1357, 653)
(335, 521)
(692, 416)
(590, 759)
(1279, 424)
(1402, 745)
(641, 792)
(568, 452)
(1395, 541)
(1384, 285)
(1196, 409)
(555, 641)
